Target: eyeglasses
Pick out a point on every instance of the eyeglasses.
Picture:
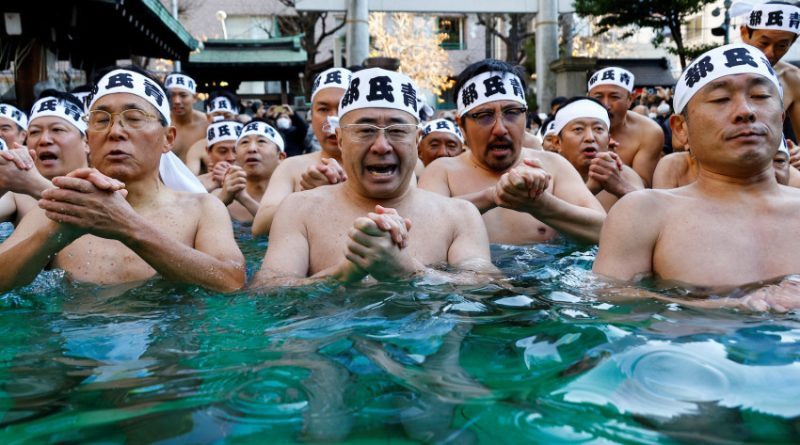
(133, 118)
(488, 118)
(367, 133)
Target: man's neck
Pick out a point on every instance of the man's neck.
(183, 119)
(722, 185)
(256, 186)
(356, 197)
(620, 124)
(144, 191)
(337, 155)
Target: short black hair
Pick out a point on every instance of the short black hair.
(227, 94)
(487, 65)
(577, 98)
(558, 101)
(103, 71)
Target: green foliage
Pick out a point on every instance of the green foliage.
(655, 14)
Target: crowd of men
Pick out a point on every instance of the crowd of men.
(131, 181)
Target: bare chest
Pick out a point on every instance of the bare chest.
(715, 246)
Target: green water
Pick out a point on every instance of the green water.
(536, 359)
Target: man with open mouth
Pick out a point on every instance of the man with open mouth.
(118, 222)
(311, 170)
(581, 126)
(526, 196)
(56, 146)
(376, 223)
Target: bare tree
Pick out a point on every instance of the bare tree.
(514, 36)
(305, 22)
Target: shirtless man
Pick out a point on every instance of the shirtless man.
(640, 139)
(220, 105)
(525, 196)
(719, 230)
(221, 140)
(582, 128)
(347, 231)
(305, 172)
(57, 141)
(440, 139)
(13, 125)
(259, 150)
(100, 233)
(772, 27)
(190, 123)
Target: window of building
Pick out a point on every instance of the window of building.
(694, 28)
(454, 28)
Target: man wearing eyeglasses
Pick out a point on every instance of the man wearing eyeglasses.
(375, 223)
(526, 196)
(119, 223)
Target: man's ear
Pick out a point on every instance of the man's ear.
(557, 144)
(169, 139)
(680, 129)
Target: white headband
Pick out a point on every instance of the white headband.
(13, 113)
(735, 58)
(56, 107)
(177, 176)
(220, 103)
(487, 87)
(223, 131)
(783, 148)
(262, 129)
(331, 78)
(583, 108)
(3, 146)
(131, 82)
(380, 88)
(551, 129)
(775, 17)
(180, 81)
(612, 76)
(443, 126)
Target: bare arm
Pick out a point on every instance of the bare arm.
(645, 160)
(470, 248)
(570, 208)
(434, 179)
(281, 185)
(627, 245)
(248, 202)
(30, 248)
(664, 176)
(195, 155)
(8, 207)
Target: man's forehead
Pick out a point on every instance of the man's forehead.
(7, 121)
(735, 81)
(328, 96)
(123, 101)
(46, 121)
(773, 35)
(378, 115)
(495, 105)
(440, 136)
(608, 89)
(584, 121)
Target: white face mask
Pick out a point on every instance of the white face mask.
(283, 123)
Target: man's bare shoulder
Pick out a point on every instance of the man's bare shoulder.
(550, 161)
(450, 163)
(644, 125)
(650, 203)
(676, 162)
(199, 118)
(298, 164)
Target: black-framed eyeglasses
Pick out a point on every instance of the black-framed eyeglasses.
(489, 118)
(134, 118)
(368, 133)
